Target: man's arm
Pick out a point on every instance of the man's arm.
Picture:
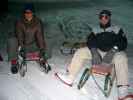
(121, 40)
(120, 44)
(91, 41)
(92, 45)
(19, 33)
(40, 36)
(41, 42)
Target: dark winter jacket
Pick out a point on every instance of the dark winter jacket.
(30, 32)
(105, 39)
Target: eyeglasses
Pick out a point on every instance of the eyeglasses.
(104, 17)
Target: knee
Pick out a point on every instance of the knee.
(120, 57)
(12, 43)
(12, 40)
(83, 53)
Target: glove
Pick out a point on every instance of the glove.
(109, 55)
(96, 58)
(43, 54)
(22, 52)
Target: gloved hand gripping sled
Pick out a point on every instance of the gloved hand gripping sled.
(43, 61)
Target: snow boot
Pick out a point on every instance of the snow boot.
(14, 66)
(123, 93)
(1, 59)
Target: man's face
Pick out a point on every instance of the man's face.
(28, 14)
(104, 19)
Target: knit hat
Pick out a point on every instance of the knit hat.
(29, 6)
(105, 13)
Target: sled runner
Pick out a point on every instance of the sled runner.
(107, 71)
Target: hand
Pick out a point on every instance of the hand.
(96, 58)
(109, 55)
(22, 51)
(43, 54)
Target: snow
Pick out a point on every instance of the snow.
(37, 85)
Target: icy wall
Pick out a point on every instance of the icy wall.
(67, 19)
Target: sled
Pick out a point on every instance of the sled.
(33, 56)
(107, 71)
(1, 59)
(69, 48)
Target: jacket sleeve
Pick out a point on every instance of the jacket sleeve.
(91, 41)
(19, 33)
(40, 36)
(121, 40)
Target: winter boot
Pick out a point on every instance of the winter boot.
(123, 93)
(1, 59)
(14, 66)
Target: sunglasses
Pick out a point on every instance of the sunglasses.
(104, 17)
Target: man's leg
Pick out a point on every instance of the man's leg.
(121, 67)
(78, 59)
(12, 46)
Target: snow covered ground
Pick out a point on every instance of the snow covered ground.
(37, 85)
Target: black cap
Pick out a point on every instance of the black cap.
(105, 12)
(29, 6)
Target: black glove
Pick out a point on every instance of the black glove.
(109, 55)
(43, 54)
(96, 58)
(22, 52)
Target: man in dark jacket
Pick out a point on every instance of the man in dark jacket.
(106, 45)
(28, 35)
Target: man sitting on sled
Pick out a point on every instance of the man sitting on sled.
(106, 45)
(28, 35)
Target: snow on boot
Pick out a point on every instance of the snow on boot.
(123, 93)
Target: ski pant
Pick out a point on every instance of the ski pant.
(120, 62)
(12, 47)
